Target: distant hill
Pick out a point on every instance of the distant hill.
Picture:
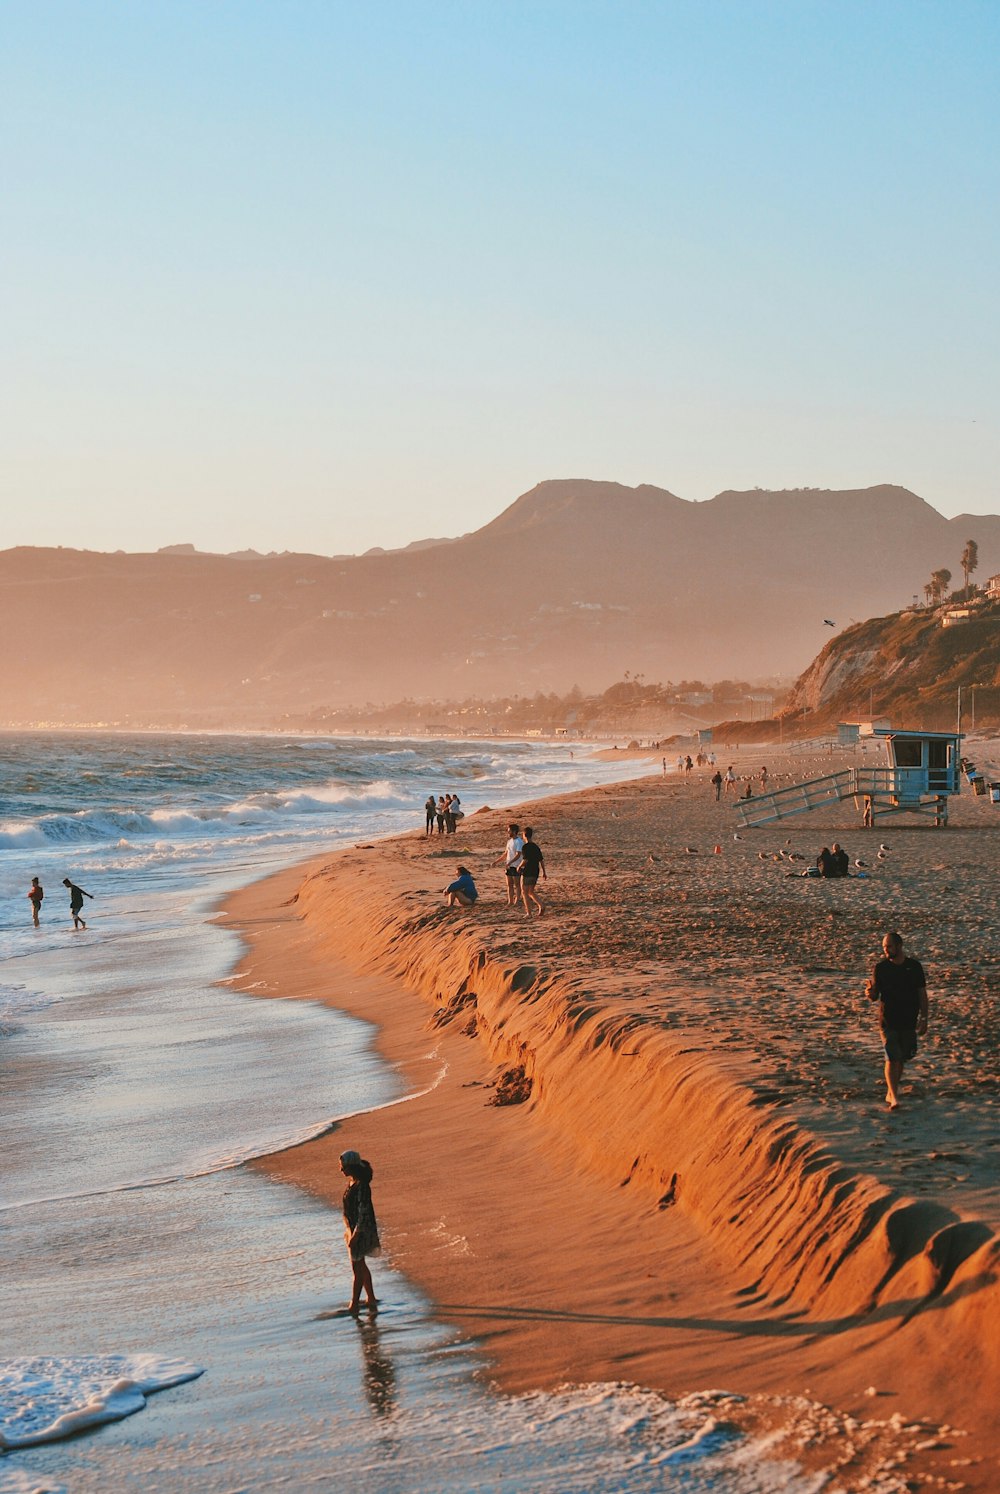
(575, 583)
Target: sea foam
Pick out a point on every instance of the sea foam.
(46, 1399)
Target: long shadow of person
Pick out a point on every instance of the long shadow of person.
(379, 1376)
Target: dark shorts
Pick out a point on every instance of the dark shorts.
(900, 1044)
(512, 871)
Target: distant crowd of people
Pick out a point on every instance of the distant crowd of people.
(442, 813)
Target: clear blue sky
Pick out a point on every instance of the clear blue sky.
(327, 275)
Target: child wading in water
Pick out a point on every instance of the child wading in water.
(360, 1226)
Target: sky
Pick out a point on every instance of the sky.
(325, 276)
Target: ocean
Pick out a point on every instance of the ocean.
(144, 1269)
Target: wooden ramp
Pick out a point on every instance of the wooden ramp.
(888, 790)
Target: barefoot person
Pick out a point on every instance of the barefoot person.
(360, 1226)
(511, 859)
(532, 862)
(76, 897)
(35, 894)
(897, 983)
(461, 893)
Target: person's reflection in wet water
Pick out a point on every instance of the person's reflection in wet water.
(378, 1372)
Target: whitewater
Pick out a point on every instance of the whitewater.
(146, 1270)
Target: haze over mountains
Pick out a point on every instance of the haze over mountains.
(575, 583)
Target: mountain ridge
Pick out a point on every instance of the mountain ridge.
(575, 582)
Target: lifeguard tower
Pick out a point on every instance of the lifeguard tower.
(919, 773)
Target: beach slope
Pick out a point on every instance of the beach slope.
(696, 1181)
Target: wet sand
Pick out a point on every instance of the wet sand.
(704, 1186)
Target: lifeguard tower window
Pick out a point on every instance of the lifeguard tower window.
(908, 753)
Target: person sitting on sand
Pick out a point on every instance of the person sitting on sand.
(532, 862)
(461, 893)
(35, 894)
(360, 1226)
(76, 897)
(511, 859)
(839, 861)
(898, 984)
(824, 863)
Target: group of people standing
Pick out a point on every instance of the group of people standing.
(36, 896)
(443, 812)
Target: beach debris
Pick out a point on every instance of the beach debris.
(717, 851)
(691, 850)
(512, 1088)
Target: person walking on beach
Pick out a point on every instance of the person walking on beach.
(730, 780)
(532, 862)
(35, 894)
(511, 859)
(461, 893)
(360, 1226)
(898, 984)
(76, 897)
(430, 810)
(717, 780)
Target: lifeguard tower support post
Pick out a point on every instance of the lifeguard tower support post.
(921, 770)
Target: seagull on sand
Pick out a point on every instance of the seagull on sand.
(691, 850)
(737, 835)
(860, 864)
(884, 847)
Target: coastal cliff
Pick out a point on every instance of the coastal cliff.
(907, 667)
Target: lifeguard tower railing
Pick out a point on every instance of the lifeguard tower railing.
(891, 790)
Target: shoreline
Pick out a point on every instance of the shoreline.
(512, 1218)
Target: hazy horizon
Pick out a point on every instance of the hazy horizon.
(322, 277)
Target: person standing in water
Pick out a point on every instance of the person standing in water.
(35, 894)
(76, 897)
(360, 1226)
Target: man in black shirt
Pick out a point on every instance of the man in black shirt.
(897, 983)
(532, 862)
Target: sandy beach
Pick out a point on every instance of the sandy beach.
(702, 1186)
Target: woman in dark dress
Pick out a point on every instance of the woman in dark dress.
(360, 1226)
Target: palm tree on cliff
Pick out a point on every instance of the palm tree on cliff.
(939, 583)
(970, 559)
